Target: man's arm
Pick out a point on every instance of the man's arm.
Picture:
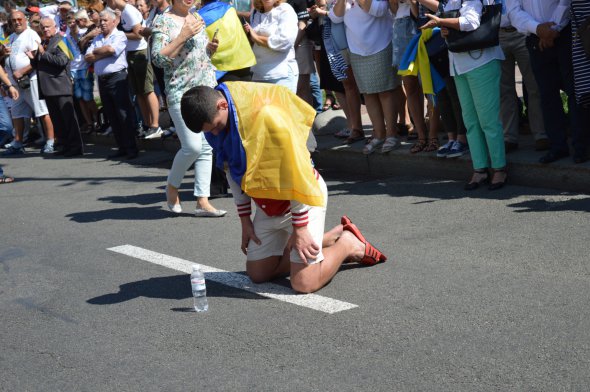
(135, 33)
(301, 239)
(19, 73)
(244, 206)
(11, 90)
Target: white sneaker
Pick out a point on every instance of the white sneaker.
(153, 133)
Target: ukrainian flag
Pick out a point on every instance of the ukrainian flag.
(415, 62)
(234, 50)
(66, 46)
(4, 40)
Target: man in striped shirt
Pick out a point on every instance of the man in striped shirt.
(286, 236)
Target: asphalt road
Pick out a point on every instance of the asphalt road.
(483, 291)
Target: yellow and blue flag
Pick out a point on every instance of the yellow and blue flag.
(66, 46)
(415, 62)
(234, 50)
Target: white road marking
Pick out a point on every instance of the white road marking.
(232, 279)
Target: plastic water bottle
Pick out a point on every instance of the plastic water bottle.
(199, 289)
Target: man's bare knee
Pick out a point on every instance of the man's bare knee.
(302, 285)
(257, 276)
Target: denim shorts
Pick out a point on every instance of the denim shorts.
(404, 29)
(83, 84)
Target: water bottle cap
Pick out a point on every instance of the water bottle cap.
(196, 267)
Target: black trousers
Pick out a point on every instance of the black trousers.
(114, 94)
(65, 121)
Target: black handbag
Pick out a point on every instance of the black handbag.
(486, 35)
(24, 82)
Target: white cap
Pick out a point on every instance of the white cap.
(196, 267)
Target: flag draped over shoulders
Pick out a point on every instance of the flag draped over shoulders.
(234, 50)
(271, 125)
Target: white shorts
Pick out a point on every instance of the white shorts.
(274, 232)
(28, 103)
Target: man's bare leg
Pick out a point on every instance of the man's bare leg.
(280, 266)
(19, 128)
(47, 126)
(308, 278)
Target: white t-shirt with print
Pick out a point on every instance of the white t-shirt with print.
(19, 45)
(129, 18)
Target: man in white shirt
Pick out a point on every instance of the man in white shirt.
(18, 67)
(549, 41)
(107, 52)
(59, 13)
(141, 74)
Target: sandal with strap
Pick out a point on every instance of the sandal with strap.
(372, 255)
(356, 135)
(433, 145)
(418, 146)
(345, 220)
(372, 146)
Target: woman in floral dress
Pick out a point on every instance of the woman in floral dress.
(181, 47)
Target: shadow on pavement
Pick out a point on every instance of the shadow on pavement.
(169, 287)
(437, 190)
(541, 205)
(126, 213)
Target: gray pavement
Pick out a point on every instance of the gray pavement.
(484, 291)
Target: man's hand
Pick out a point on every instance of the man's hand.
(90, 58)
(248, 234)
(12, 92)
(145, 32)
(30, 54)
(547, 35)
(17, 74)
(302, 241)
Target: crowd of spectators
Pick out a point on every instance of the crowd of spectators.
(144, 54)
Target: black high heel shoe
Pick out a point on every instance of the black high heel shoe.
(470, 186)
(498, 185)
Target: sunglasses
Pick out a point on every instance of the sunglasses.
(35, 22)
(90, 12)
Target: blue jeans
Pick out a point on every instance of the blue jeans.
(316, 92)
(289, 81)
(5, 120)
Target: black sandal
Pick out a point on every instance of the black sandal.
(498, 185)
(470, 186)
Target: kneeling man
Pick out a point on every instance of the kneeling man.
(259, 133)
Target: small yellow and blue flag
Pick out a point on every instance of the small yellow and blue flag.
(66, 46)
